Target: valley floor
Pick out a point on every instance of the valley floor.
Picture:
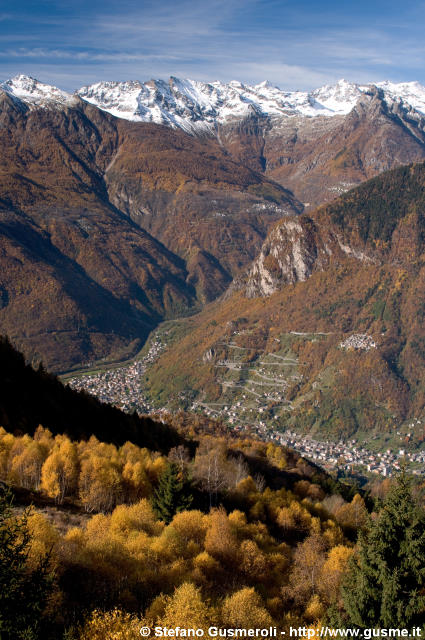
(254, 401)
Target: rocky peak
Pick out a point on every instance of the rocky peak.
(32, 92)
(190, 104)
(292, 251)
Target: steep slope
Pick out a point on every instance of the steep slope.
(190, 195)
(29, 398)
(76, 187)
(325, 333)
(322, 158)
(319, 144)
(79, 279)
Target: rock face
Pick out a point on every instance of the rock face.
(293, 250)
(379, 222)
(290, 253)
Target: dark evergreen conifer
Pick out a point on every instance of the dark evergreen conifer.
(385, 585)
(23, 591)
(171, 495)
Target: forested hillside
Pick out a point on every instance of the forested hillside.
(90, 260)
(329, 316)
(131, 537)
(29, 398)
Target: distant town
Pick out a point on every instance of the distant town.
(123, 387)
(349, 456)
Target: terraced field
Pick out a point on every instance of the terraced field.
(254, 384)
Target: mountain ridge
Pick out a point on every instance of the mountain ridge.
(189, 104)
(163, 220)
(317, 144)
(90, 261)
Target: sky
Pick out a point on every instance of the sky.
(298, 44)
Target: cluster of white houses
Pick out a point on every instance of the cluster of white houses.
(350, 455)
(122, 386)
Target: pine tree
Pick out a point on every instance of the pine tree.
(386, 581)
(23, 591)
(171, 495)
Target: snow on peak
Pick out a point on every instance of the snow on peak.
(411, 93)
(32, 91)
(193, 105)
(119, 98)
(338, 98)
(266, 84)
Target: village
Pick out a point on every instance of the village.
(123, 387)
(348, 457)
(351, 456)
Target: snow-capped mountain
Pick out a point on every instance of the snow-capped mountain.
(33, 92)
(193, 106)
(190, 104)
(411, 93)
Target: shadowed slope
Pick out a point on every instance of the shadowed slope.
(81, 280)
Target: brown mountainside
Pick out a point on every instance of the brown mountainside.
(325, 333)
(148, 222)
(320, 157)
(190, 195)
(81, 279)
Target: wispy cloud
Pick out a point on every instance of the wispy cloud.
(83, 56)
(299, 45)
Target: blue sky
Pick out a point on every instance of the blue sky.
(300, 44)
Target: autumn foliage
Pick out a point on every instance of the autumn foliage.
(279, 553)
